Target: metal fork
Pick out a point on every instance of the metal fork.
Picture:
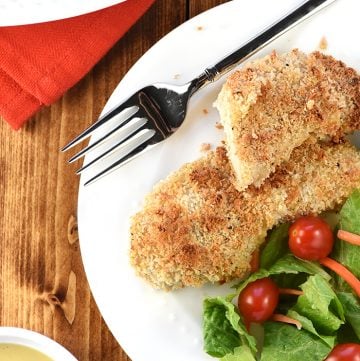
(155, 112)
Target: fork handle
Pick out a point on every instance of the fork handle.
(289, 21)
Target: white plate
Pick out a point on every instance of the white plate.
(154, 325)
(20, 12)
(36, 341)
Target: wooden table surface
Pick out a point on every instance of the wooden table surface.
(43, 284)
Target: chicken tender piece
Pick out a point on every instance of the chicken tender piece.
(275, 104)
(195, 227)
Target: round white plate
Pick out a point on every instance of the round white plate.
(154, 325)
(20, 12)
(36, 341)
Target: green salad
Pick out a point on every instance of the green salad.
(314, 309)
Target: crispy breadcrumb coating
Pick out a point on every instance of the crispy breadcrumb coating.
(276, 103)
(195, 227)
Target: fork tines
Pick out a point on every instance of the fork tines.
(136, 125)
(102, 120)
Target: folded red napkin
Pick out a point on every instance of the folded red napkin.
(38, 63)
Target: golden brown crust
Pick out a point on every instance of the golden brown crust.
(195, 227)
(275, 104)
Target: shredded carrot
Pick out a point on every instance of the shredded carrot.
(286, 319)
(349, 237)
(343, 272)
(290, 291)
(255, 261)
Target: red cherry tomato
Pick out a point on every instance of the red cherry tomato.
(258, 300)
(310, 238)
(345, 352)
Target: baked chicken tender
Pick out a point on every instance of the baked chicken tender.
(195, 227)
(276, 103)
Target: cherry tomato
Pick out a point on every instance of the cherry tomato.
(258, 300)
(310, 238)
(345, 352)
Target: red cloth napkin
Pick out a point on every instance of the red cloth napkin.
(38, 63)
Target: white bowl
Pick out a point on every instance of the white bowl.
(36, 341)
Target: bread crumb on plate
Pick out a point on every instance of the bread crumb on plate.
(205, 147)
(323, 44)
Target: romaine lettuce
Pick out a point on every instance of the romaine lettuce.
(352, 310)
(348, 254)
(241, 353)
(320, 304)
(285, 265)
(287, 343)
(276, 246)
(308, 326)
(223, 329)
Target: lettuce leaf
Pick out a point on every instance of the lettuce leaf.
(348, 254)
(288, 265)
(308, 326)
(223, 329)
(286, 280)
(291, 264)
(352, 310)
(220, 338)
(350, 213)
(276, 246)
(242, 353)
(320, 304)
(286, 343)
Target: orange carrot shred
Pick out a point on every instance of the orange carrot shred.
(255, 261)
(290, 291)
(349, 237)
(343, 272)
(286, 319)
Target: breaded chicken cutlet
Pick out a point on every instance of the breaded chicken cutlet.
(276, 103)
(195, 227)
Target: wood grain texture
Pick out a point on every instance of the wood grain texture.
(43, 285)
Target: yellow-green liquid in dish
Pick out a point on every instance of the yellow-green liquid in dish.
(15, 352)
